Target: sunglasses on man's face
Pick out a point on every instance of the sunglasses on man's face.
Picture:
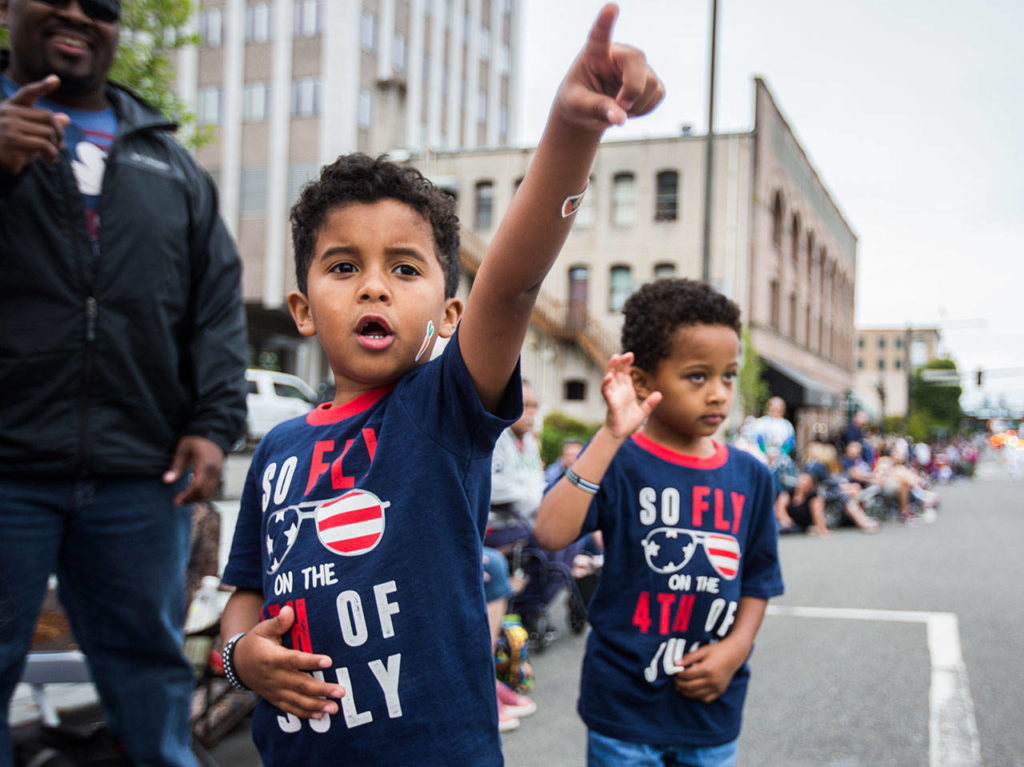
(106, 11)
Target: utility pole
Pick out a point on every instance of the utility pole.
(706, 264)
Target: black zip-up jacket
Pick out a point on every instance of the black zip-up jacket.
(107, 359)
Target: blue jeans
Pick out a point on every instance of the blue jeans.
(603, 751)
(119, 548)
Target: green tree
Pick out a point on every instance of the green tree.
(151, 32)
(750, 384)
(935, 408)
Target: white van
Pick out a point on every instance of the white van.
(273, 397)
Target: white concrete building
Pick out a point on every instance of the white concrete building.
(780, 247)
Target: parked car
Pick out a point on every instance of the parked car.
(273, 397)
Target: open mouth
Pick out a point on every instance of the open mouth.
(373, 328)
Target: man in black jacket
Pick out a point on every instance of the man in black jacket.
(122, 356)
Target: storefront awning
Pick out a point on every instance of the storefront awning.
(799, 389)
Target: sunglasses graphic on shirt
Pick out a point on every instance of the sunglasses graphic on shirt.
(349, 525)
(669, 549)
(107, 11)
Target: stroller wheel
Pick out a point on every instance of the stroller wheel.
(542, 633)
(577, 616)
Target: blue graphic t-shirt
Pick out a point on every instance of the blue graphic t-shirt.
(88, 138)
(684, 539)
(367, 519)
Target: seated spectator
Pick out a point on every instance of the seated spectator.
(568, 454)
(517, 484)
(802, 509)
(900, 481)
(855, 469)
(834, 489)
(497, 591)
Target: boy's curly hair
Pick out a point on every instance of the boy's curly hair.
(656, 310)
(359, 178)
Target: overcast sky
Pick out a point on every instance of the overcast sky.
(912, 112)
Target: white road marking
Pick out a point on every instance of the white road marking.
(952, 729)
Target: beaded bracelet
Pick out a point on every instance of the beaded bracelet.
(585, 485)
(229, 664)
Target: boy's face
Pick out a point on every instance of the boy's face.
(375, 287)
(697, 381)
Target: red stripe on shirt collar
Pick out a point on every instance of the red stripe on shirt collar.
(713, 461)
(327, 413)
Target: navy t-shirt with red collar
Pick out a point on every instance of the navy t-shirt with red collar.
(367, 519)
(685, 538)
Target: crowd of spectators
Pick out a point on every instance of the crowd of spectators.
(859, 478)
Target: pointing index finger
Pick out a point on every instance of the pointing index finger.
(26, 95)
(601, 33)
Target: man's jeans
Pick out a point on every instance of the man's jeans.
(119, 548)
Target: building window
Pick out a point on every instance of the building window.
(624, 199)
(777, 212)
(305, 97)
(208, 106)
(257, 23)
(211, 27)
(368, 32)
(485, 44)
(299, 175)
(481, 107)
(860, 342)
(899, 343)
(773, 308)
(585, 215)
(483, 215)
(253, 199)
(398, 52)
(860, 364)
(255, 102)
(792, 316)
(661, 271)
(620, 288)
(881, 364)
(666, 203)
(881, 343)
(365, 109)
(795, 251)
(897, 364)
(307, 18)
(575, 390)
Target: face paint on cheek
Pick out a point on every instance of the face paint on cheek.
(426, 340)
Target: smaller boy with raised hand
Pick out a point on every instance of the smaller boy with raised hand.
(691, 553)
(359, 614)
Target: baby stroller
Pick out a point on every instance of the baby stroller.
(545, 574)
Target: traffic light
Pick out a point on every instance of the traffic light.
(979, 377)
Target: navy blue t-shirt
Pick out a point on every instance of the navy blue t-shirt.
(367, 519)
(684, 539)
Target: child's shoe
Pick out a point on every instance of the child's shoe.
(515, 704)
(507, 721)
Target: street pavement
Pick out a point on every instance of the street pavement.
(898, 649)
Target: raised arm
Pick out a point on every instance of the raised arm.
(606, 84)
(564, 508)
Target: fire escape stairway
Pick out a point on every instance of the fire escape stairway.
(549, 316)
